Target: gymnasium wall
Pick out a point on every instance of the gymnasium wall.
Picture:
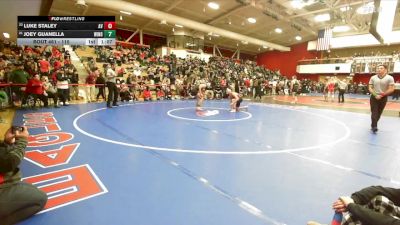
(148, 39)
(286, 62)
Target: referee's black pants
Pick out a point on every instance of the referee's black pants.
(377, 107)
(112, 93)
(341, 95)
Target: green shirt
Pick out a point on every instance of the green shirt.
(19, 76)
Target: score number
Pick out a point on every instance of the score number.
(109, 30)
(109, 26)
(104, 41)
(109, 34)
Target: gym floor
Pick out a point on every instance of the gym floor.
(160, 163)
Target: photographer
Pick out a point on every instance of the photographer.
(18, 200)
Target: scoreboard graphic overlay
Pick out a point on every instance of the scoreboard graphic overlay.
(66, 30)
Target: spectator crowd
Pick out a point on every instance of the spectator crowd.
(30, 73)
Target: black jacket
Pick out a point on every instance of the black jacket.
(368, 216)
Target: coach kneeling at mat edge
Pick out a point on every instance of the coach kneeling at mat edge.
(18, 200)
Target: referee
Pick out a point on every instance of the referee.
(380, 86)
(111, 86)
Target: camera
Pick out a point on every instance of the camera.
(14, 129)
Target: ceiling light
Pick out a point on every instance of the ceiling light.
(173, 29)
(278, 30)
(245, 42)
(299, 4)
(125, 12)
(178, 25)
(298, 38)
(120, 17)
(366, 9)
(322, 17)
(345, 8)
(213, 5)
(163, 22)
(343, 28)
(265, 46)
(6, 35)
(251, 20)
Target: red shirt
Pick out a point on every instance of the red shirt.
(146, 94)
(28, 50)
(160, 93)
(57, 65)
(247, 83)
(331, 86)
(67, 61)
(56, 53)
(91, 78)
(34, 87)
(117, 54)
(44, 66)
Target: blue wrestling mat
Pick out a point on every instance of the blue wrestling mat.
(164, 163)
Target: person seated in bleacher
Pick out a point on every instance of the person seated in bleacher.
(130, 81)
(147, 94)
(160, 94)
(124, 92)
(35, 88)
(49, 90)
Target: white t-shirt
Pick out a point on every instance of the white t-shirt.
(111, 75)
(381, 85)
